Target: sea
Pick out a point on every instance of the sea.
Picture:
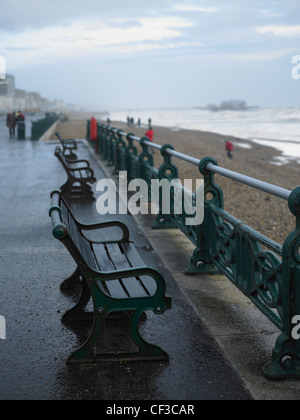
(275, 127)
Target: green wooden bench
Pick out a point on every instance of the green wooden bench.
(80, 175)
(68, 146)
(115, 277)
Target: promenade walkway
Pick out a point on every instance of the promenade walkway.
(33, 264)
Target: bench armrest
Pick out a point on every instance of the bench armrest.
(68, 142)
(84, 168)
(139, 272)
(104, 225)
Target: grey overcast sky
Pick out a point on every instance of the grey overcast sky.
(110, 54)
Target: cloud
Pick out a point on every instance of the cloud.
(253, 56)
(280, 30)
(91, 37)
(17, 15)
(189, 8)
(157, 43)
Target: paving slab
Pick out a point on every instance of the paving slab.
(33, 265)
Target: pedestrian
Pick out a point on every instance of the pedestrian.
(11, 123)
(139, 122)
(150, 135)
(149, 122)
(229, 149)
(20, 116)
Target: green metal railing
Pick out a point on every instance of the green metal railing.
(40, 127)
(263, 270)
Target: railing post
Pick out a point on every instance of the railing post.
(145, 158)
(201, 261)
(100, 147)
(169, 172)
(106, 141)
(111, 148)
(131, 153)
(121, 164)
(88, 127)
(285, 362)
(118, 146)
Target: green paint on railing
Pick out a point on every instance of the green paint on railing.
(263, 270)
(40, 127)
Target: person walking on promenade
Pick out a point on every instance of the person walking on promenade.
(11, 123)
(229, 149)
(20, 116)
(150, 135)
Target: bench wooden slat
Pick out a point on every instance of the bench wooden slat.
(132, 284)
(113, 287)
(136, 261)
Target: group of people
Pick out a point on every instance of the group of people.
(12, 119)
(150, 134)
(131, 122)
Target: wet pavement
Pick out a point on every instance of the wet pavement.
(33, 265)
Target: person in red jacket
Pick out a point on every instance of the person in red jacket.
(150, 135)
(229, 149)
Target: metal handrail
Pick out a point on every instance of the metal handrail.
(243, 179)
(265, 271)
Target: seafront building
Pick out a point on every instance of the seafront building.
(12, 98)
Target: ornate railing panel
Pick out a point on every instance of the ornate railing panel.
(263, 270)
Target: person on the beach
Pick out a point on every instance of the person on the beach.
(229, 149)
(150, 135)
(11, 123)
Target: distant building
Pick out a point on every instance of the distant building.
(7, 86)
(233, 105)
(7, 93)
(12, 99)
(20, 100)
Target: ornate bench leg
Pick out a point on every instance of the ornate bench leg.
(79, 191)
(77, 313)
(65, 186)
(87, 191)
(146, 351)
(87, 352)
(72, 282)
(71, 156)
